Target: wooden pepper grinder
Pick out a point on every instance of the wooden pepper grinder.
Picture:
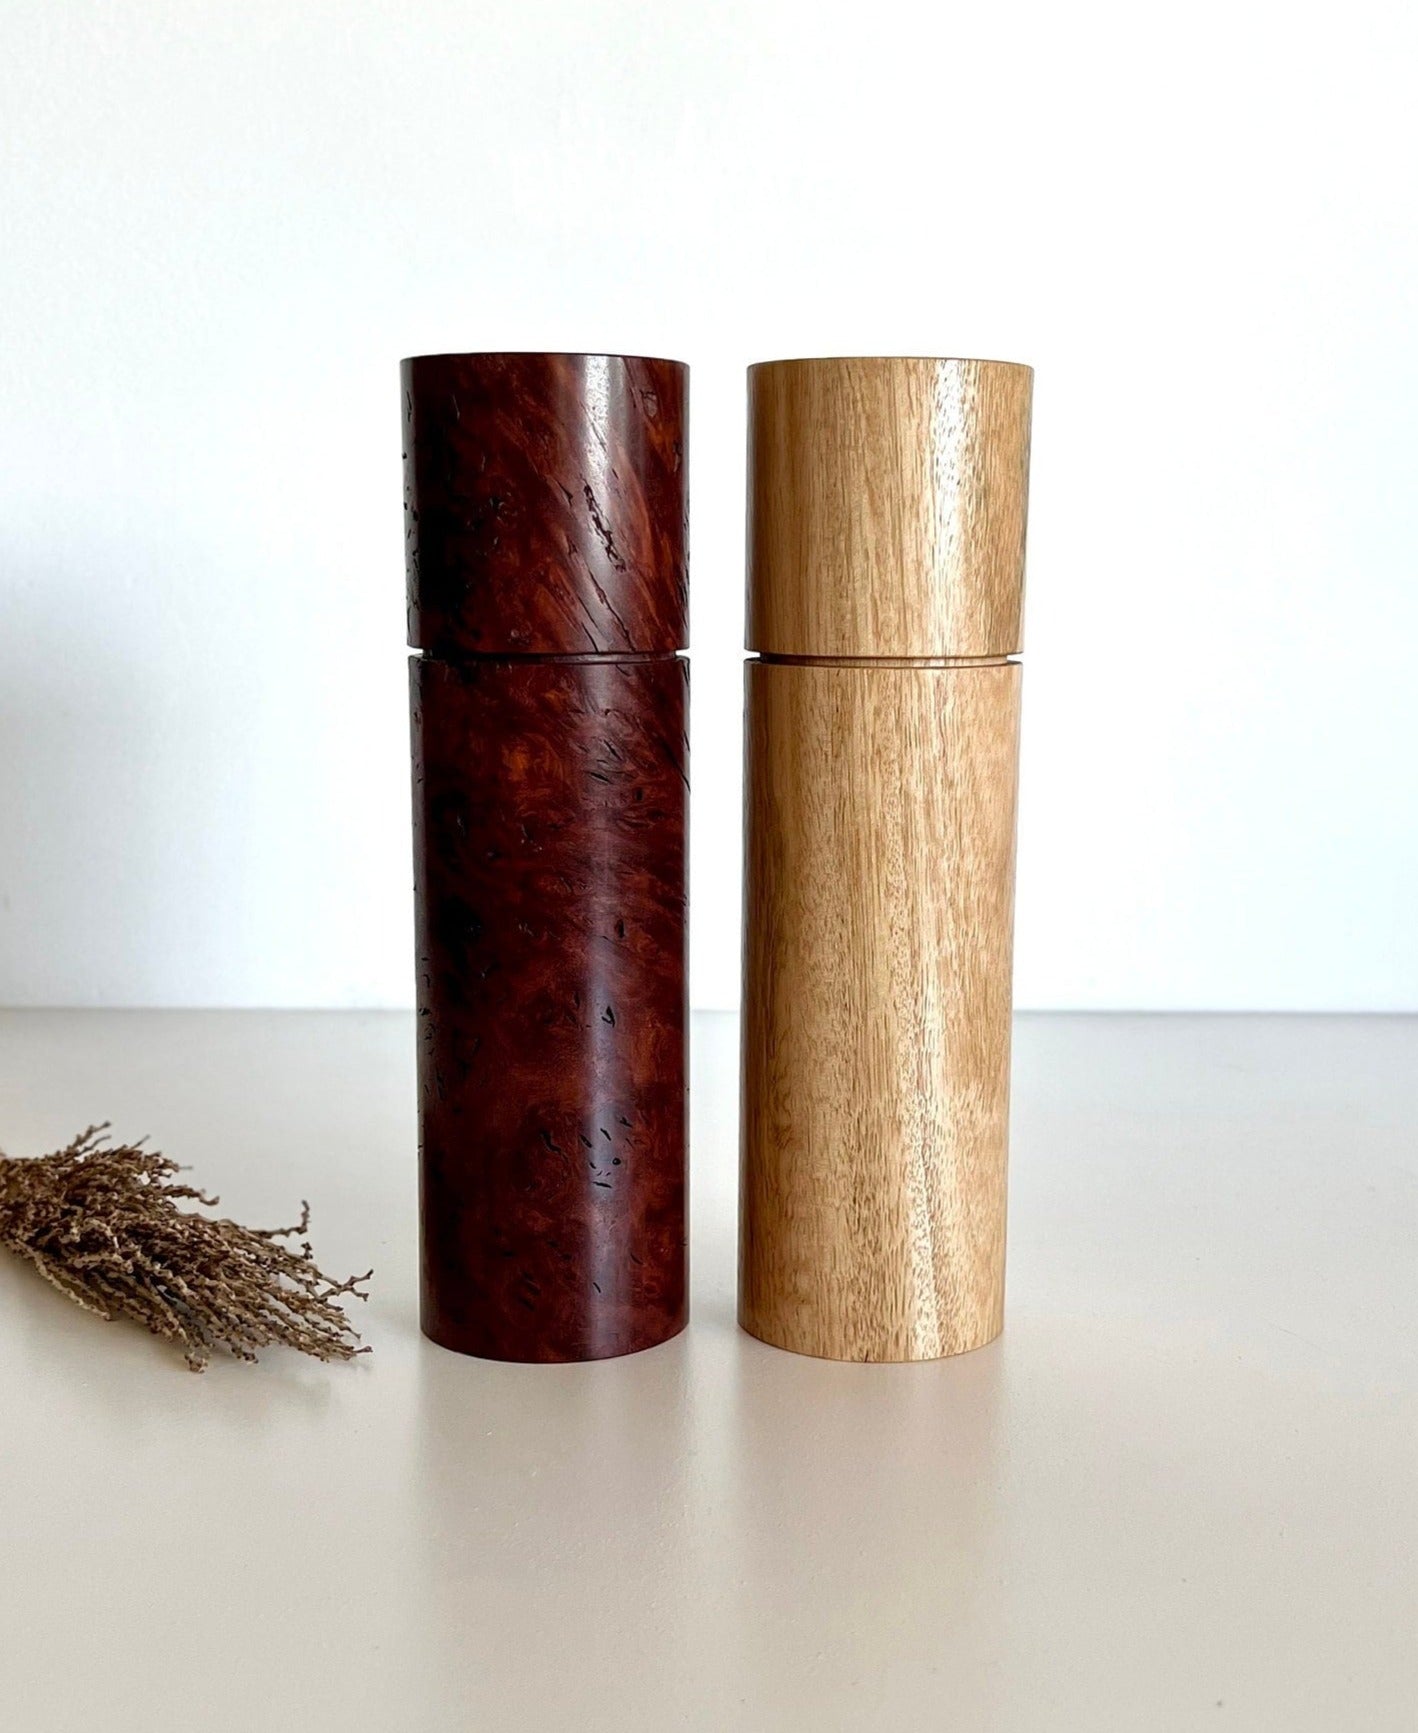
(886, 550)
(545, 519)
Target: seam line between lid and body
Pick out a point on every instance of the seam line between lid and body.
(884, 661)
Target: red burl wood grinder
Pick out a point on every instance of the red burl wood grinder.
(545, 507)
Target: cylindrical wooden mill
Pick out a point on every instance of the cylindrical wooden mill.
(886, 549)
(545, 511)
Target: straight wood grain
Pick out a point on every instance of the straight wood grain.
(887, 502)
(880, 809)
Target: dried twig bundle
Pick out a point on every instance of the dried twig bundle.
(102, 1223)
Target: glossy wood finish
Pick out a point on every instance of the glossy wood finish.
(879, 916)
(545, 503)
(549, 839)
(887, 506)
(545, 525)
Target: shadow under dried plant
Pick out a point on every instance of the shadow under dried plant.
(101, 1222)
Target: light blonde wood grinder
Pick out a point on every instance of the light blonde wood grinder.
(887, 503)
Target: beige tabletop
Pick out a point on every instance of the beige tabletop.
(1181, 1492)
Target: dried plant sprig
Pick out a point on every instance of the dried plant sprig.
(101, 1222)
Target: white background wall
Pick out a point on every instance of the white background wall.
(223, 223)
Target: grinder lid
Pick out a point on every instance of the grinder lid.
(887, 501)
(545, 503)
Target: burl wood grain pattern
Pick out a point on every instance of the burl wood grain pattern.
(545, 503)
(887, 504)
(879, 920)
(549, 807)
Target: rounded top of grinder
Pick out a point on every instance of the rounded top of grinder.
(887, 502)
(545, 499)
